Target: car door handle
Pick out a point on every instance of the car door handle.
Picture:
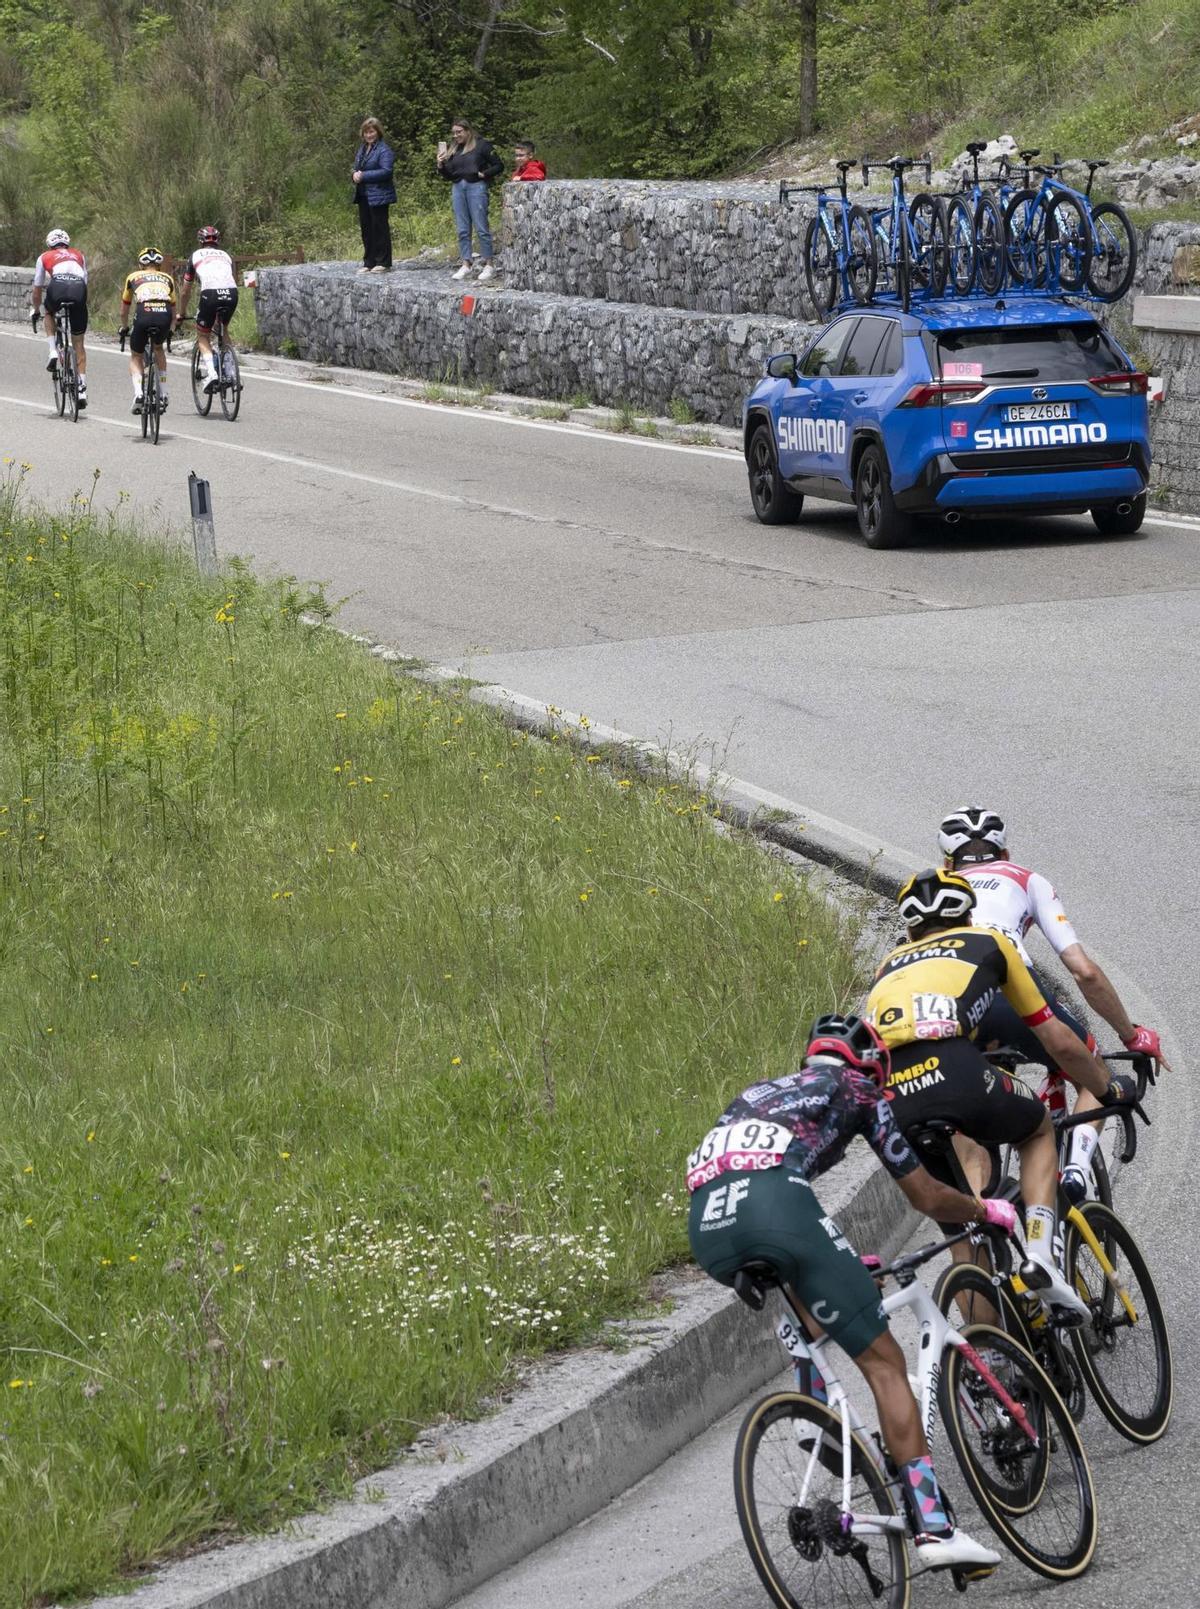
(860, 396)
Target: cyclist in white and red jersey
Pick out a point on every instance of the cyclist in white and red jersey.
(218, 293)
(61, 277)
(1014, 899)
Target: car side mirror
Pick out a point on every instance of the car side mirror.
(782, 366)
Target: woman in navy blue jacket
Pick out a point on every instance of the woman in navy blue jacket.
(374, 193)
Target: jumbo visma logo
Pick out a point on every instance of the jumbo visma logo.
(811, 435)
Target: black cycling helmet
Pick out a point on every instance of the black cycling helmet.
(934, 896)
(975, 829)
(852, 1040)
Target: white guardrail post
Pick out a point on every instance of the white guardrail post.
(204, 537)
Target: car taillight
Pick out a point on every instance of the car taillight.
(932, 392)
(1126, 383)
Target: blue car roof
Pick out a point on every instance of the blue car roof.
(1016, 312)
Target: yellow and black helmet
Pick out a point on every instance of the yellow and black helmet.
(934, 895)
(150, 256)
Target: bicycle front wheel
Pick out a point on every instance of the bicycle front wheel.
(1019, 1452)
(1114, 252)
(56, 380)
(820, 267)
(787, 1480)
(1125, 1352)
(231, 382)
(1026, 230)
(70, 383)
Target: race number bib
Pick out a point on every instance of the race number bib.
(935, 1016)
(743, 1147)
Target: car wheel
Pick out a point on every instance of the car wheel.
(1111, 523)
(882, 524)
(774, 503)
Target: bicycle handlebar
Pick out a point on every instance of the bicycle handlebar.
(924, 1254)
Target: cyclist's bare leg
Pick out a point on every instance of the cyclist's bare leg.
(80, 355)
(884, 1369)
(1039, 1166)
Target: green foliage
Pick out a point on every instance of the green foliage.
(353, 1044)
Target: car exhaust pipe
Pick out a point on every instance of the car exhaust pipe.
(1124, 508)
(952, 518)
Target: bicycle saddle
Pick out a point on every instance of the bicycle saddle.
(846, 164)
(752, 1281)
(1091, 163)
(1028, 156)
(975, 146)
(933, 1136)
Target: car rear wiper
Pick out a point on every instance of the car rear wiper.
(1012, 374)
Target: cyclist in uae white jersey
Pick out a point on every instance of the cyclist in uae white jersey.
(1014, 899)
(218, 294)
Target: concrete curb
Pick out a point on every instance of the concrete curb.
(474, 1499)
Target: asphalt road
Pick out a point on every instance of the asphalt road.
(1033, 666)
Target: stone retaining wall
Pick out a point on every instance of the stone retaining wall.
(716, 248)
(411, 322)
(14, 294)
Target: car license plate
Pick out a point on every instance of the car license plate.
(1037, 412)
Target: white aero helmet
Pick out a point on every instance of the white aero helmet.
(58, 237)
(934, 896)
(972, 823)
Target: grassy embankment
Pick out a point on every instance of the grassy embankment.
(352, 1044)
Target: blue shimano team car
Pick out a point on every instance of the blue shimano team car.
(955, 409)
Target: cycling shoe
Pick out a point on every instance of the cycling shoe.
(1053, 1291)
(955, 1548)
(1074, 1184)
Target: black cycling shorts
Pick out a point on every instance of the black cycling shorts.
(214, 305)
(949, 1079)
(71, 294)
(146, 320)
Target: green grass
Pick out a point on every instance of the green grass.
(352, 1045)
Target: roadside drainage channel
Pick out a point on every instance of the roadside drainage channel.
(470, 1500)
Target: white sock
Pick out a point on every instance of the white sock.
(1083, 1145)
(212, 366)
(83, 382)
(162, 386)
(1039, 1233)
(137, 384)
(53, 350)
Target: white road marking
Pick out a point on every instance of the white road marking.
(328, 388)
(130, 427)
(336, 388)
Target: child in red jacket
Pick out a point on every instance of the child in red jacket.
(529, 167)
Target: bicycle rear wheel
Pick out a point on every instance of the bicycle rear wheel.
(1114, 252)
(201, 399)
(231, 381)
(1125, 1352)
(931, 261)
(787, 1481)
(820, 267)
(1070, 242)
(960, 232)
(70, 383)
(989, 245)
(1029, 1475)
(1026, 232)
(56, 380)
(862, 267)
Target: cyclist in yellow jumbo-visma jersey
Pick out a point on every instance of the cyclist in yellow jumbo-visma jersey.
(151, 291)
(927, 1001)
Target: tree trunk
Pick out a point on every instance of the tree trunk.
(808, 67)
(495, 7)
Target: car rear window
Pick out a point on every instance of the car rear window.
(1052, 352)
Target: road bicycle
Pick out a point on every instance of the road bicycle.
(153, 401)
(1049, 231)
(229, 374)
(840, 261)
(1122, 1354)
(64, 376)
(817, 1494)
(1114, 242)
(911, 237)
(975, 232)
